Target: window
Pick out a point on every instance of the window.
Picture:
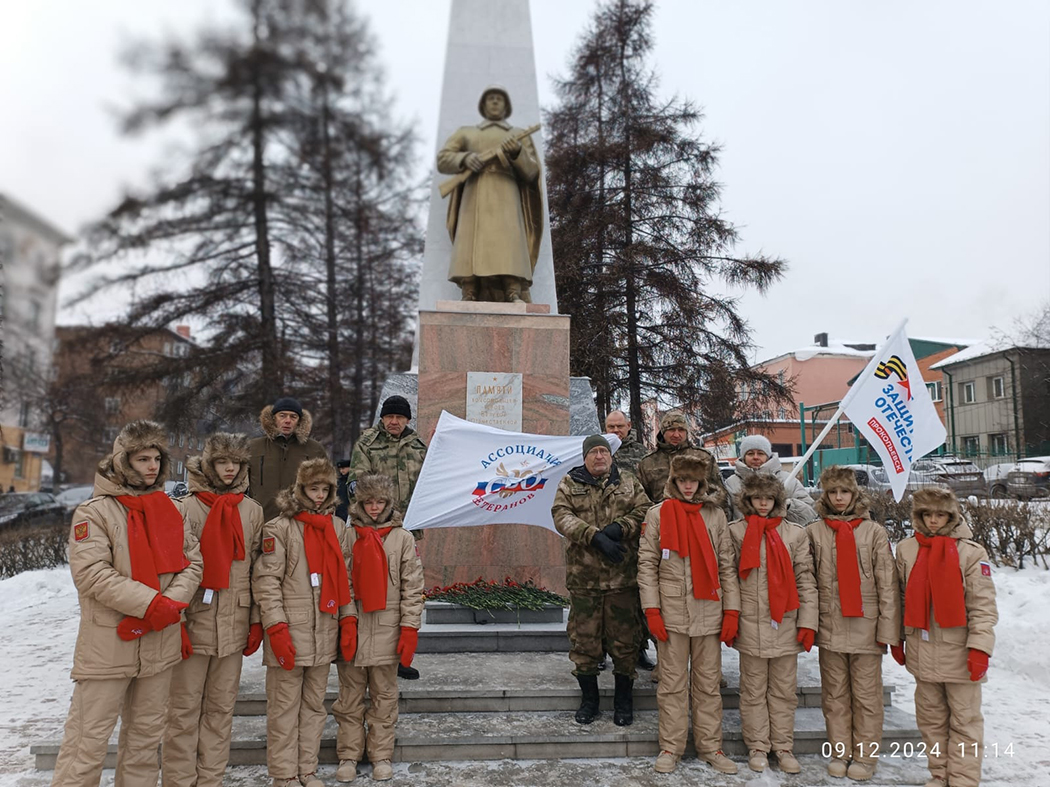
(936, 394)
(171, 438)
(179, 468)
(20, 464)
(971, 445)
(200, 443)
(112, 405)
(999, 444)
(969, 392)
(23, 414)
(167, 348)
(109, 435)
(998, 388)
(782, 414)
(182, 440)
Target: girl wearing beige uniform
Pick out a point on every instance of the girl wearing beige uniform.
(222, 625)
(778, 618)
(949, 619)
(688, 586)
(859, 617)
(387, 580)
(301, 585)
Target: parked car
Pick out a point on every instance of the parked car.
(74, 496)
(960, 475)
(1030, 479)
(18, 509)
(176, 488)
(995, 475)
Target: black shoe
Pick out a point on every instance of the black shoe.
(623, 701)
(643, 661)
(408, 673)
(588, 710)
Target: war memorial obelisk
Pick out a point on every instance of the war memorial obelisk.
(519, 345)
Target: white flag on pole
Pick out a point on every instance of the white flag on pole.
(891, 406)
(480, 475)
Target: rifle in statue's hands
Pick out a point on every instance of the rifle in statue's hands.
(452, 183)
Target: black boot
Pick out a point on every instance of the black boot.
(643, 660)
(623, 701)
(407, 673)
(588, 710)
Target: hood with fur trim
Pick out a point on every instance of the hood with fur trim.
(201, 469)
(939, 498)
(374, 486)
(269, 425)
(761, 485)
(692, 467)
(836, 477)
(133, 438)
(292, 500)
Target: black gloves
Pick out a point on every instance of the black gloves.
(613, 551)
(613, 530)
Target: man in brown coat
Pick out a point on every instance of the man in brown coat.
(222, 625)
(132, 588)
(859, 616)
(276, 456)
(672, 440)
(949, 629)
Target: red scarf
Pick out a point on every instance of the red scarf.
(155, 536)
(683, 530)
(324, 556)
(937, 578)
(222, 540)
(847, 567)
(780, 575)
(369, 569)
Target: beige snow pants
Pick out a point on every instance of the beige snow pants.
(851, 698)
(349, 710)
(768, 701)
(197, 743)
(949, 717)
(295, 717)
(141, 704)
(691, 670)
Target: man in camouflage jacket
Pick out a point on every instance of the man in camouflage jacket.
(671, 440)
(599, 511)
(632, 450)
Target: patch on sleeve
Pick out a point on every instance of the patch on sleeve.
(80, 531)
(644, 523)
(986, 569)
(269, 545)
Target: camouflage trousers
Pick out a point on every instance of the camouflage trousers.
(605, 622)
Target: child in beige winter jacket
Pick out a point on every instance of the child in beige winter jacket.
(949, 607)
(302, 588)
(688, 586)
(859, 617)
(387, 580)
(222, 625)
(778, 618)
(135, 566)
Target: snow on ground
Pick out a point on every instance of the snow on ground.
(38, 625)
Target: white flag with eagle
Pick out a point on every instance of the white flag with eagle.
(891, 406)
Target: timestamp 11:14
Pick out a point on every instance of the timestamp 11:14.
(990, 750)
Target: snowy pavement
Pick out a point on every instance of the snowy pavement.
(38, 625)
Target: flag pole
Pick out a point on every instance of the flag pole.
(870, 368)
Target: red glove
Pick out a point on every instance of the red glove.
(897, 651)
(730, 626)
(163, 612)
(255, 635)
(806, 637)
(281, 644)
(977, 662)
(348, 638)
(656, 624)
(187, 646)
(406, 645)
(132, 628)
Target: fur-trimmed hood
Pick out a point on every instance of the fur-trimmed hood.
(836, 477)
(692, 467)
(269, 425)
(135, 437)
(939, 498)
(293, 500)
(375, 486)
(201, 469)
(761, 485)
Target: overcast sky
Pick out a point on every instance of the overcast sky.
(897, 154)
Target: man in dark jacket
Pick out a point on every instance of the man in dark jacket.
(276, 455)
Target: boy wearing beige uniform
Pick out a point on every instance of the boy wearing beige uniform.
(135, 567)
(387, 581)
(859, 617)
(302, 587)
(688, 586)
(778, 618)
(222, 625)
(949, 618)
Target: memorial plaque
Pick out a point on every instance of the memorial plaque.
(494, 399)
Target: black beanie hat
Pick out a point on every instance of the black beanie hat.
(288, 404)
(594, 441)
(396, 405)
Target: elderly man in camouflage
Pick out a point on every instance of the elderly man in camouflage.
(599, 511)
(671, 440)
(397, 451)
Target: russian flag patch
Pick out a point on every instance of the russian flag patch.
(986, 569)
(269, 545)
(80, 531)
